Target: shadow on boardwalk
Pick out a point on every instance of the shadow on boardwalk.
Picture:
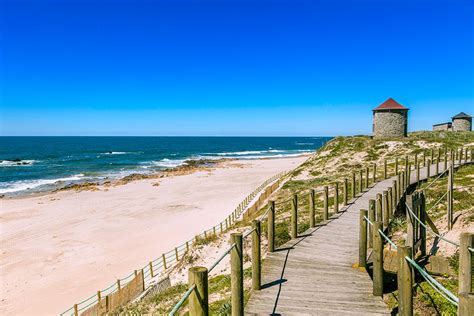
(314, 274)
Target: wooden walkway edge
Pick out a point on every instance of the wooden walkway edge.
(316, 273)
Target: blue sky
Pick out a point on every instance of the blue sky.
(230, 67)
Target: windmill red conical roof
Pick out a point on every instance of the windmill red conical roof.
(390, 104)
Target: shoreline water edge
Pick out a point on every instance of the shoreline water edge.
(31, 166)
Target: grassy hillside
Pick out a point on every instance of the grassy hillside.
(337, 160)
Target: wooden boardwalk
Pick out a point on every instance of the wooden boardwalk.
(316, 274)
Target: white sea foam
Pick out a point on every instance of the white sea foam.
(249, 152)
(274, 156)
(294, 153)
(21, 163)
(116, 153)
(17, 186)
(168, 163)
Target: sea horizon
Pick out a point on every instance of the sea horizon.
(30, 164)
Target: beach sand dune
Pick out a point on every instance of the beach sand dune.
(59, 248)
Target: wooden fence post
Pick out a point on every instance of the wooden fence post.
(395, 196)
(465, 154)
(366, 185)
(424, 158)
(199, 298)
(445, 159)
(422, 229)
(346, 194)
(451, 155)
(460, 156)
(150, 264)
(386, 213)
(363, 238)
(361, 181)
(99, 298)
(353, 185)
(142, 271)
(432, 154)
(312, 208)
(417, 166)
(409, 175)
(396, 165)
(326, 203)
(466, 263)
(399, 186)
(404, 185)
(164, 261)
(76, 312)
(374, 176)
(378, 207)
(410, 222)
(294, 216)
(377, 276)
(390, 201)
(407, 181)
(466, 304)
(416, 160)
(372, 219)
(385, 169)
(237, 275)
(438, 157)
(336, 197)
(449, 202)
(405, 281)
(256, 256)
(271, 226)
(176, 254)
(437, 167)
(428, 170)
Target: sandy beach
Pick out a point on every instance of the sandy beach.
(60, 248)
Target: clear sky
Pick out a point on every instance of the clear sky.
(229, 67)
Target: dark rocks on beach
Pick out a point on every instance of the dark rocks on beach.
(86, 186)
(202, 162)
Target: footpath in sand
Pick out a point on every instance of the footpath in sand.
(61, 247)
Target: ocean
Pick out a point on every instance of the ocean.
(35, 164)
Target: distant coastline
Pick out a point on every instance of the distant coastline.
(38, 165)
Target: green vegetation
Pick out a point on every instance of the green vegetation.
(428, 302)
(463, 194)
(202, 241)
(162, 303)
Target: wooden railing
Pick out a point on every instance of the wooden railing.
(374, 228)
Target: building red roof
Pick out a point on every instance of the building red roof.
(390, 104)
